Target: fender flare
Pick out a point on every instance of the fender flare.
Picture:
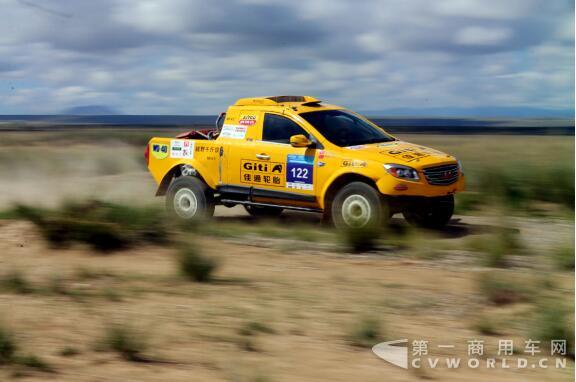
(174, 172)
(337, 181)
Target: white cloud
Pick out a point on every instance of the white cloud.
(197, 56)
(476, 35)
(499, 10)
(166, 16)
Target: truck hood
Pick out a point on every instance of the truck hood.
(399, 152)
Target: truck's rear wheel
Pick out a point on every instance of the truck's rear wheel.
(263, 211)
(358, 205)
(189, 198)
(434, 213)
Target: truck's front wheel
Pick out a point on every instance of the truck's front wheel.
(358, 205)
(189, 198)
(434, 213)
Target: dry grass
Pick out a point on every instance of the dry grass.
(264, 304)
(315, 298)
(516, 171)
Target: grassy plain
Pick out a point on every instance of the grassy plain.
(286, 299)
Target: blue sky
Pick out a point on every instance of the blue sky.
(197, 56)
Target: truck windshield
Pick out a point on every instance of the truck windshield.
(345, 129)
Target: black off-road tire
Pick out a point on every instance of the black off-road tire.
(262, 211)
(434, 213)
(189, 198)
(358, 205)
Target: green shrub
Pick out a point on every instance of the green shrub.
(8, 346)
(34, 214)
(501, 290)
(253, 327)
(195, 266)
(552, 322)
(126, 341)
(103, 226)
(103, 236)
(486, 326)
(57, 286)
(69, 351)
(555, 184)
(366, 333)
(515, 185)
(10, 353)
(33, 362)
(248, 344)
(467, 202)
(15, 282)
(496, 248)
(145, 222)
(564, 258)
(362, 239)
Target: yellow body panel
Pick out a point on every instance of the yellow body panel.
(239, 157)
(200, 154)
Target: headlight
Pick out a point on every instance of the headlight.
(402, 172)
(460, 167)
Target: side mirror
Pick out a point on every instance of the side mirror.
(300, 141)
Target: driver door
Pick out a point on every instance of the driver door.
(280, 171)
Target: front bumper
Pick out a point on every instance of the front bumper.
(389, 185)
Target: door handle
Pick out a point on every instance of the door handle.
(263, 156)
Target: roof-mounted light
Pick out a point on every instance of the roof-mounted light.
(278, 100)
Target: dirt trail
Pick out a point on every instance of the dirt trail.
(310, 299)
(311, 295)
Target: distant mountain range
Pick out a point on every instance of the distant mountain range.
(474, 112)
(415, 124)
(116, 119)
(91, 110)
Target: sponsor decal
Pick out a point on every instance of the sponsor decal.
(207, 149)
(159, 150)
(182, 148)
(321, 154)
(262, 173)
(300, 172)
(209, 152)
(353, 163)
(357, 147)
(407, 154)
(411, 153)
(233, 131)
(247, 120)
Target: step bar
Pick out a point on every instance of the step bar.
(247, 203)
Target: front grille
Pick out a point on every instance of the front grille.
(442, 175)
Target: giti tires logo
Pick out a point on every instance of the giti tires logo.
(396, 355)
(262, 173)
(263, 167)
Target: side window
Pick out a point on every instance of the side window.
(280, 129)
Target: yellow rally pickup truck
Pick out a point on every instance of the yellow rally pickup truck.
(295, 152)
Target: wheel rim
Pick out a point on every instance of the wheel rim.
(356, 211)
(185, 203)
